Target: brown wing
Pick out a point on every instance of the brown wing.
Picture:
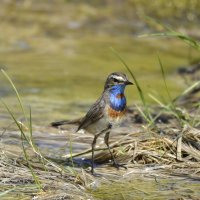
(95, 113)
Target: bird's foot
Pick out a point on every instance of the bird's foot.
(94, 173)
(117, 165)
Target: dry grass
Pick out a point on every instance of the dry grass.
(156, 149)
(16, 175)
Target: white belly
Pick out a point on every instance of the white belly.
(98, 126)
(103, 123)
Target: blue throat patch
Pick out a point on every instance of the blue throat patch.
(117, 98)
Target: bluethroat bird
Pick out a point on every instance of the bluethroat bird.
(107, 112)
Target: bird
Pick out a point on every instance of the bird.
(106, 113)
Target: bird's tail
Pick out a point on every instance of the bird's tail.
(59, 123)
(64, 122)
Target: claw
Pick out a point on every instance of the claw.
(117, 165)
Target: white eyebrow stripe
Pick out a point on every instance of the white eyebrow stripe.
(118, 77)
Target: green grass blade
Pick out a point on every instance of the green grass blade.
(157, 101)
(172, 33)
(15, 89)
(172, 106)
(19, 125)
(142, 113)
(36, 179)
(187, 90)
(71, 156)
(147, 113)
(30, 124)
(15, 120)
(132, 75)
(164, 78)
(6, 192)
(23, 136)
(196, 119)
(32, 143)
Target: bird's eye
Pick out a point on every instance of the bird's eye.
(116, 80)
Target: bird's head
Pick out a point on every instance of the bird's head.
(117, 79)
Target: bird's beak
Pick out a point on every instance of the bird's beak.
(128, 83)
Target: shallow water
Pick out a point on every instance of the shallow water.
(147, 188)
(59, 86)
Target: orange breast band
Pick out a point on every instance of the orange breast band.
(115, 114)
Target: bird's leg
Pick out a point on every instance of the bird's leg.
(106, 140)
(94, 144)
(93, 147)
